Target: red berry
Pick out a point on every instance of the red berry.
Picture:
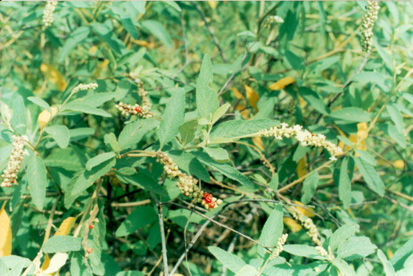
(208, 197)
(211, 205)
(138, 109)
(91, 226)
(89, 250)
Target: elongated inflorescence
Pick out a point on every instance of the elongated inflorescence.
(186, 183)
(305, 137)
(13, 166)
(48, 12)
(84, 86)
(369, 18)
(280, 246)
(312, 231)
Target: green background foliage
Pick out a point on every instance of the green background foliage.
(207, 67)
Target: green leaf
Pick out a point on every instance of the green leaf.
(239, 128)
(218, 154)
(132, 133)
(13, 265)
(370, 175)
(189, 164)
(247, 270)
(110, 139)
(356, 248)
(84, 179)
(312, 98)
(229, 260)
(351, 114)
(98, 159)
(140, 217)
(60, 134)
(344, 184)
(64, 158)
(206, 98)
(273, 228)
(144, 181)
(342, 234)
(62, 244)
(156, 28)
(343, 267)
(387, 266)
(396, 116)
(274, 182)
(397, 136)
(128, 25)
(402, 254)
(302, 250)
(220, 112)
(80, 133)
(37, 179)
(93, 100)
(172, 118)
(74, 40)
(309, 187)
(226, 170)
(188, 131)
(40, 102)
(84, 108)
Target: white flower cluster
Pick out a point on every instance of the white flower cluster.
(48, 12)
(367, 25)
(280, 246)
(13, 166)
(82, 86)
(312, 231)
(186, 183)
(146, 104)
(305, 137)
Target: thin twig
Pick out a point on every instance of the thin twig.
(163, 240)
(208, 27)
(131, 204)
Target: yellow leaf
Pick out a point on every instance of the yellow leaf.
(252, 97)
(399, 164)
(5, 233)
(213, 4)
(302, 167)
(258, 142)
(282, 83)
(303, 103)
(305, 210)
(92, 50)
(389, 253)
(46, 262)
(45, 116)
(292, 224)
(53, 76)
(144, 43)
(102, 66)
(238, 95)
(65, 227)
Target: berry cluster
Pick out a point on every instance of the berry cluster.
(143, 110)
(13, 166)
(187, 184)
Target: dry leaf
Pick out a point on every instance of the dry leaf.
(252, 97)
(282, 83)
(399, 164)
(45, 116)
(212, 3)
(54, 76)
(5, 233)
(302, 167)
(303, 209)
(292, 224)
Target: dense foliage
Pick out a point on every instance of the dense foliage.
(219, 138)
